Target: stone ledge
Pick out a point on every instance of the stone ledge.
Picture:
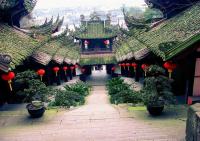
(193, 123)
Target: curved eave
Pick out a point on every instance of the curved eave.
(182, 47)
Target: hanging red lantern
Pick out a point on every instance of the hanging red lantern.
(128, 65)
(134, 65)
(8, 77)
(56, 69)
(123, 65)
(65, 69)
(82, 70)
(170, 67)
(76, 66)
(145, 68)
(113, 68)
(86, 43)
(72, 67)
(41, 73)
(189, 102)
(106, 42)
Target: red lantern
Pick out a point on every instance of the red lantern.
(106, 42)
(134, 65)
(123, 64)
(170, 67)
(8, 77)
(72, 67)
(82, 70)
(113, 68)
(128, 65)
(56, 69)
(76, 66)
(41, 72)
(145, 68)
(65, 69)
(189, 102)
(86, 43)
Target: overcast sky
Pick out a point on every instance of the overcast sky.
(109, 4)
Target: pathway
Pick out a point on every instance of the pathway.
(98, 120)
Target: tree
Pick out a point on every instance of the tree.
(152, 14)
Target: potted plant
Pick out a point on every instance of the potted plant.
(157, 91)
(36, 109)
(36, 94)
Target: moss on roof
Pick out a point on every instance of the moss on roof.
(170, 37)
(98, 60)
(95, 29)
(18, 45)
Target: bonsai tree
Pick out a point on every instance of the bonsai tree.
(157, 90)
(36, 90)
(22, 79)
(36, 93)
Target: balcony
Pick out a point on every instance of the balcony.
(96, 51)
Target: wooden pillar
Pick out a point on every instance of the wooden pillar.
(196, 86)
(137, 73)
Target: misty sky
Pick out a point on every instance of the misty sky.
(108, 4)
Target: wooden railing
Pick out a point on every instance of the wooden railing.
(97, 51)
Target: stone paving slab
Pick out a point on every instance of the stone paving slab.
(96, 121)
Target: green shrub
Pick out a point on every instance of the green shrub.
(79, 87)
(112, 90)
(73, 95)
(157, 88)
(114, 81)
(36, 90)
(68, 98)
(126, 96)
(120, 92)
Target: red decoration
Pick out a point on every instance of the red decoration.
(189, 102)
(8, 77)
(170, 67)
(76, 66)
(41, 72)
(72, 67)
(56, 69)
(145, 68)
(120, 65)
(65, 69)
(82, 70)
(86, 42)
(128, 65)
(106, 42)
(113, 68)
(134, 65)
(123, 65)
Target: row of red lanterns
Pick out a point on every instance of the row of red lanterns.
(41, 72)
(169, 65)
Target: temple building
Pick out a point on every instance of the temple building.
(175, 39)
(96, 38)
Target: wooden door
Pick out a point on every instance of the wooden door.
(196, 87)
